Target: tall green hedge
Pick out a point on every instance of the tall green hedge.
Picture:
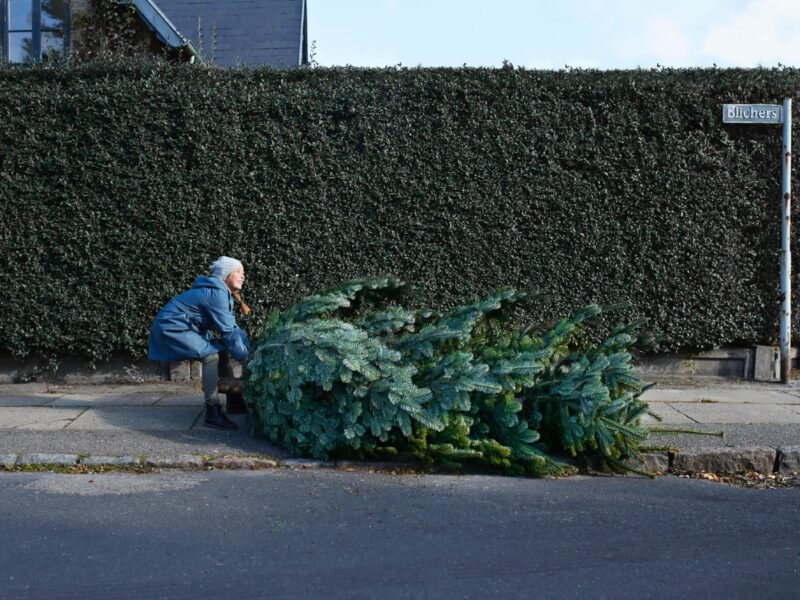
(120, 182)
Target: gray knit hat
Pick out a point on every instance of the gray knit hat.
(224, 266)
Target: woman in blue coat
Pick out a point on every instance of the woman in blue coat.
(199, 324)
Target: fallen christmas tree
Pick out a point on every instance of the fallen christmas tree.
(351, 373)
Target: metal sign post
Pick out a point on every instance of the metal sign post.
(786, 252)
(776, 114)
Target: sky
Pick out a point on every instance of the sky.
(554, 34)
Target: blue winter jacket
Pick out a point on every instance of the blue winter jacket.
(197, 323)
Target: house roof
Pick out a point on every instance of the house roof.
(156, 20)
(242, 32)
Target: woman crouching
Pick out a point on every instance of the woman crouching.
(199, 324)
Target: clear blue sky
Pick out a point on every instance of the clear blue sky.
(551, 34)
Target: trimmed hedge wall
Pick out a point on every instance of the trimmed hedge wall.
(119, 183)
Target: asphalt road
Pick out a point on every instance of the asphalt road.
(330, 534)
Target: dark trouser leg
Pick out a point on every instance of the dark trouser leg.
(229, 367)
(211, 364)
(215, 416)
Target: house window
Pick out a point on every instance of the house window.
(34, 30)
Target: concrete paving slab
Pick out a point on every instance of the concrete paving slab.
(669, 416)
(745, 395)
(107, 400)
(737, 413)
(124, 389)
(194, 399)
(16, 389)
(136, 418)
(735, 434)
(36, 417)
(131, 443)
(28, 400)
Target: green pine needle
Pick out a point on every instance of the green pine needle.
(345, 373)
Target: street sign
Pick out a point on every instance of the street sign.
(769, 114)
(752, 113)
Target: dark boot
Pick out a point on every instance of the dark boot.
(217, 419)
(234, 404)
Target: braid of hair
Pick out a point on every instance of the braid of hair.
(242, 306)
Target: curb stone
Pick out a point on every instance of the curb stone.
(726, 460)
(788, 459)
(306, 463)
(654, 462)
(785, 459)
(111, 461)
(242, 462)
(42, 458)
(177, 461)
(379, 466)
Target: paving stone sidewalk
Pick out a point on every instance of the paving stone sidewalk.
(96, 423)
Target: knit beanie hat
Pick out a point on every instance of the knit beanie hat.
(224, 266)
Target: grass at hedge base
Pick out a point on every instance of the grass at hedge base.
(351, 373)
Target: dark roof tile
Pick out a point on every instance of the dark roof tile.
(250, 32)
